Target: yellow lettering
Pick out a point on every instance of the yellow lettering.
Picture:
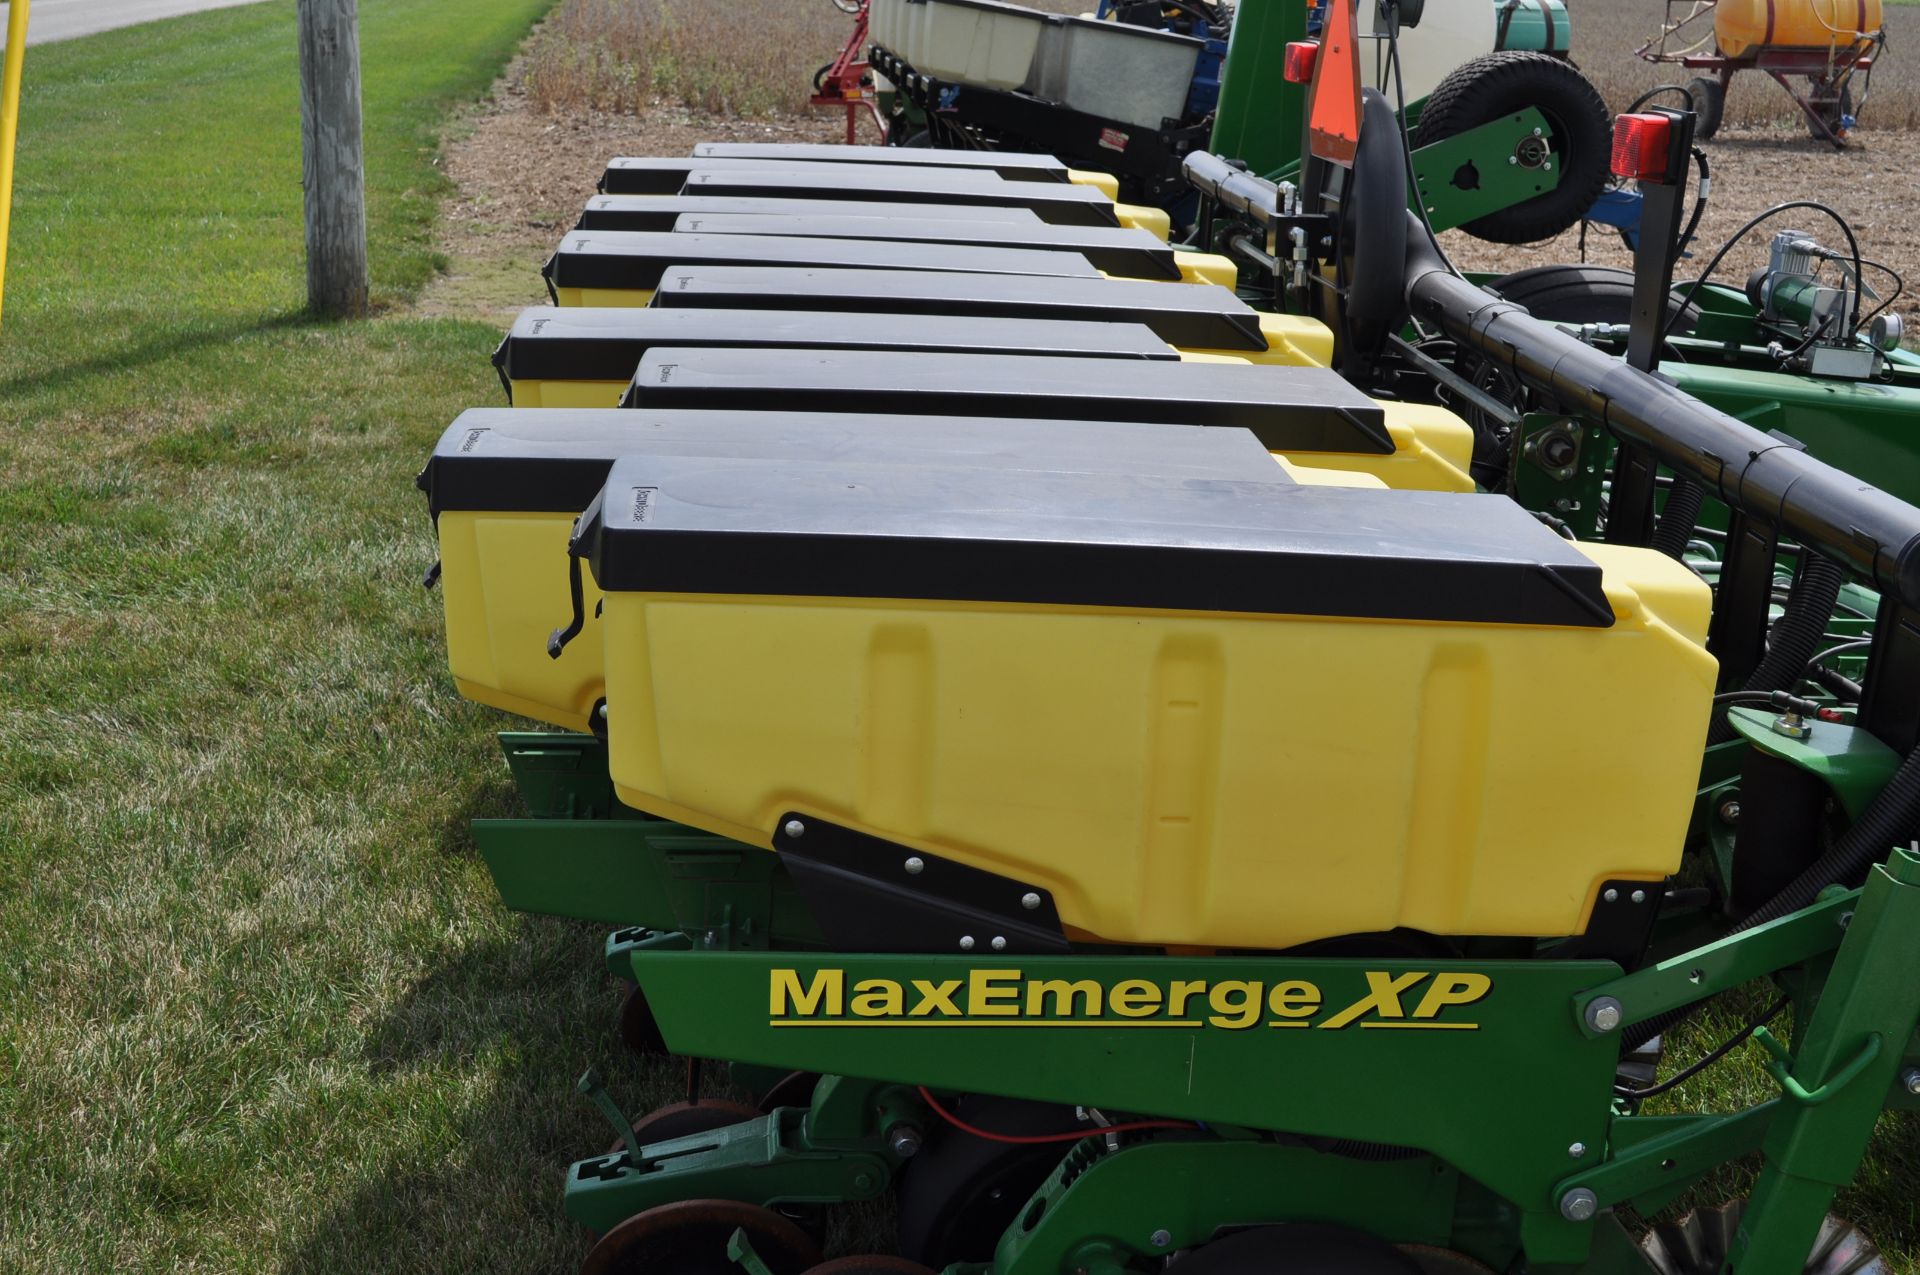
(878, 998)
(1383, 996)
(935, 996)
(1235, 1004)
(1452, 989)
(1182, 991)
(1063, 994)
(1134, 998)
(828, 988)
(1295, 998)
(990, 996)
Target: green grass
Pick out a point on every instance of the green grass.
(260, 1009)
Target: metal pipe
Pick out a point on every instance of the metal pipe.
(1236, 188)
(16, 63)
(1874, 533)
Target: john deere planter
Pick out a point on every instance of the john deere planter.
(1090, 746)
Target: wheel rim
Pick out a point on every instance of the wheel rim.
(690, 1237)
(1698, 1243)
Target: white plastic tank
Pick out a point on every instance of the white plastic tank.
(1450, 32)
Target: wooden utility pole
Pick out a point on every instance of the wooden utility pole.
(331, 168)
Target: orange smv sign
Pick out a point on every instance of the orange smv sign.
(1333, 116)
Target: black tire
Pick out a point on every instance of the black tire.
(1373, 232)
(1581, 294)
(1496, 84)
(1709, 105)
(959, 1192)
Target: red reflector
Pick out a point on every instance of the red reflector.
(1301, 55)
(1642, 145)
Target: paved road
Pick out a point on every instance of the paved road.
(65, 19)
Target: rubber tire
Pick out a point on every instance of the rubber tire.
(947, 1210)
(1496, 84)
(689, 1237)
(870, 1264)
(1709, 105)
(1373, 230)
(1581, 294)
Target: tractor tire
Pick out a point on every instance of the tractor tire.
(1709, 106)
(1496, 84)
(1581, 294)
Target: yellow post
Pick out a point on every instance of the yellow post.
(10, 122)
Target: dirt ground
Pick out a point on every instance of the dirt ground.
(1872, 185)
(523, 177)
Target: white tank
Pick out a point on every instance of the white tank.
(1450, 32)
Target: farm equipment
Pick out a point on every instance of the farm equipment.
(847, 81)
(1148, 812)
(1828, 44)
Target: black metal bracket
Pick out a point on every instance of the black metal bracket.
(1621, 924)
(872, 895)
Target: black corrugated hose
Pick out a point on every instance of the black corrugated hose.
(1795, 637)
(1677, 518)
(1887, 821)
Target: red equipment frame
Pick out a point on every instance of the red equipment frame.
(1828, 72)
(847, 81)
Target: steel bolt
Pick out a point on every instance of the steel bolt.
(1639, 896)
(1513, 159)
(1910, 1080)
(1603, 1013)
(966, 942)
(863, 1181)
(1577, 1150)
(915, 865)
(1579, 1205)
(1029, 900)
(794, 828)
(904, 1139)
(999, 943)
(1730, 812)
(1611, 896)
(1161, 1238)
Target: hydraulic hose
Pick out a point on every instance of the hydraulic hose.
(1888, 820)
(1795, 637)
(1677, 519)
(1867, 530)
(1864, 528)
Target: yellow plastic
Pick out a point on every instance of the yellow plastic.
(1207, 267)
(546, 393)
(633, 297)
(503, 581)
(1432, 449)
(1142, 217)
(1190, 778)
(1740, 26)
(1106, 183)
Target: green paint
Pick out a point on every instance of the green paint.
(1851, 761)
(1471, 174)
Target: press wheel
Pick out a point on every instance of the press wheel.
(684, 1119)
(960, 1192)
(870, 1264)
(1697, 1245)
(689, 1237)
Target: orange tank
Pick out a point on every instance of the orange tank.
(1742, 26)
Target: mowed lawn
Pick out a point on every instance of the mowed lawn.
(259, 1007)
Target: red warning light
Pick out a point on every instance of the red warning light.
(1301, 55)
(1643, 147)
